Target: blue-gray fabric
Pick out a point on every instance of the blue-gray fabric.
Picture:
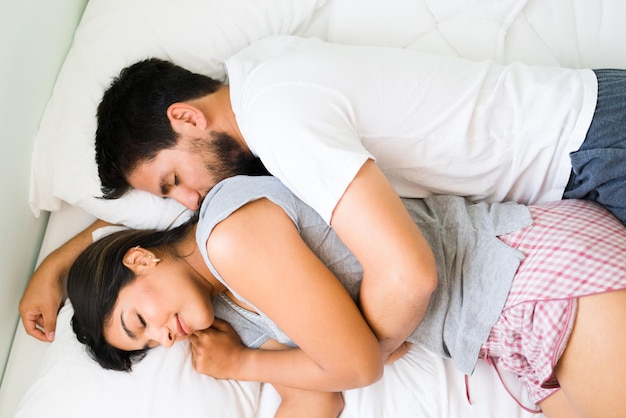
(475, 268)
(599, 165)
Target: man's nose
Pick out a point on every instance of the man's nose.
(187, 197)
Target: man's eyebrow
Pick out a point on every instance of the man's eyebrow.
(128, 332)
(165, 188)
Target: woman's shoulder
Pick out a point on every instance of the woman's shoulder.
(234, 192)
(242, 189)
(245, 182)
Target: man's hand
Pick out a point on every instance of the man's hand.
(398, 352)
(304, 403)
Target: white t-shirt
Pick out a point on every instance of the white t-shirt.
(315, 111)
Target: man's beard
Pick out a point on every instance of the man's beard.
(224, 157)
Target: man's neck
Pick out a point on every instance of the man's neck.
(223, 107)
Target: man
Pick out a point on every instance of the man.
(318, 115)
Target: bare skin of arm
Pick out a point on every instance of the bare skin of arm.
(220, 341)
(260, 253)
(399, 270)
(43, 295)
(304, 403)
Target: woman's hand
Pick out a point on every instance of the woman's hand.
(216, 350)
(43, 296)
(41, 301)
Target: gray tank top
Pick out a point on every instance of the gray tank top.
(474, 267)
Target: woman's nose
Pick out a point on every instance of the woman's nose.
(164, 337)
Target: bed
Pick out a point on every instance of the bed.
(58, 379)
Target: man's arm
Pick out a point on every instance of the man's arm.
(399, 271)
(43, 295)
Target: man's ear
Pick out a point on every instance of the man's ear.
(139, 260)
(186, 118)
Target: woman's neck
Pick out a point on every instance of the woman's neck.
(190, 254)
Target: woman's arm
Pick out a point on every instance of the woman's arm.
(260, 253)
(221, 337)
(42, 297)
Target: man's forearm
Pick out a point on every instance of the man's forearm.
(392, 311)
(399, 269)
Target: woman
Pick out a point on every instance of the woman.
(551, 310)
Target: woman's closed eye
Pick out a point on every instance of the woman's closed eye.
(131, 334)
(143, 324)
(141, 321)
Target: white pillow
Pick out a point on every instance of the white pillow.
(197, 34)
(163, 384)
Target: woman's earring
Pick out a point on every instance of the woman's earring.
(156, 260)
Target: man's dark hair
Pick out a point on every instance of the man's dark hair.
(132, 117)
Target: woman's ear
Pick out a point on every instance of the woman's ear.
(185, 118)
(139, 260)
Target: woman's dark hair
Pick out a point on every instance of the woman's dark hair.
(133, 126)
(95, 281)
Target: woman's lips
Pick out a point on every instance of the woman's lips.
(183, 329)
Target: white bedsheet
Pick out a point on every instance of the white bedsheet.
(59, 380)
